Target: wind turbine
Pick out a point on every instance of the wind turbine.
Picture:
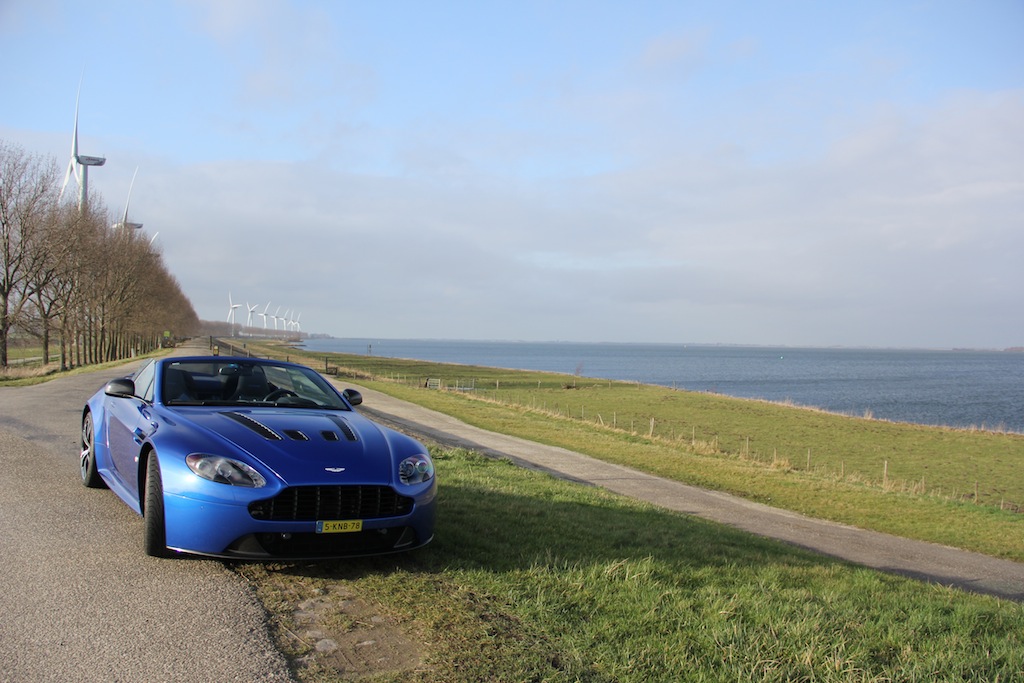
(123, 223)
(79, 163)
(298, 328)
(264, 315)
(276, 318)
(231, 312)
(251, 309)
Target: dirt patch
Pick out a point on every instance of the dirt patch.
(350, 636)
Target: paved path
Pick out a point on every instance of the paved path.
(80, 601)
(926, 561)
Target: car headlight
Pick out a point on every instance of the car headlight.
(225, 470)
(415, 470)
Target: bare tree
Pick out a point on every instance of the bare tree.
(103, 290)
(56, 277)
(27, 192)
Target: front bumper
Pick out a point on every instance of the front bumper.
(228, 530)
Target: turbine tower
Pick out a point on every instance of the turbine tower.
(79, 163)
(231, 312)
(251, 309)
(276, 317)
(264, 315)
(123, 223)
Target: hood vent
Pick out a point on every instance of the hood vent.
(255, 425)
(345, 428)
(266, 432)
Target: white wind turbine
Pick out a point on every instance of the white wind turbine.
(123, 223)
(298, 328)
(79, 164)
(276, 317)
(251, 309)
(231, 312)
(264, 315)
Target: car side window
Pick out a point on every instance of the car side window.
(144, 382)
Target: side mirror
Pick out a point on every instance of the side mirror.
(122, 388)
(353, 396)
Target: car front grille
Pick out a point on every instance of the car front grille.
(311, 503)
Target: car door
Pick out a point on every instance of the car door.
(128, 424)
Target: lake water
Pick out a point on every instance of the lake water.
(955, 388)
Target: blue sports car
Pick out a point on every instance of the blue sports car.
(248, 458)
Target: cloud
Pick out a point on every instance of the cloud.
(675, 54)
(899, 221)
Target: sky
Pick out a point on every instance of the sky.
(778, 173)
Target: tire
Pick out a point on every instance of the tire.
(155, 530)
(90, 474)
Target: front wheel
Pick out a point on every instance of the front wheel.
(90, 474)
(155, 534)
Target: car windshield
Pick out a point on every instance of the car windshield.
(235, 381)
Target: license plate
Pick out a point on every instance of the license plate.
(339, 526)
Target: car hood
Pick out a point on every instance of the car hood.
(302, 446)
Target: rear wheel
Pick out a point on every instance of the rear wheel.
(155, 534)
(90, 475)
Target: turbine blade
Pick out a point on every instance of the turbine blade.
(67, 177)
(74, 145)
(125, 220)
(74, 136)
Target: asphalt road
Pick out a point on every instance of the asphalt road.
(925, 561)
(79, 600)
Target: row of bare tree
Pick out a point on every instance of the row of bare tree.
(74, 280)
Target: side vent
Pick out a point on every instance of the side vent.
(296, 435)
(255, 425)
(345, 428)
(330, 436)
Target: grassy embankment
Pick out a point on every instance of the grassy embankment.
(26, 367)
(957, 487)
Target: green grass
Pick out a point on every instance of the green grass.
(909, 480)
(988, 529)
(532, 578)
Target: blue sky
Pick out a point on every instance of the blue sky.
(804, 173)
